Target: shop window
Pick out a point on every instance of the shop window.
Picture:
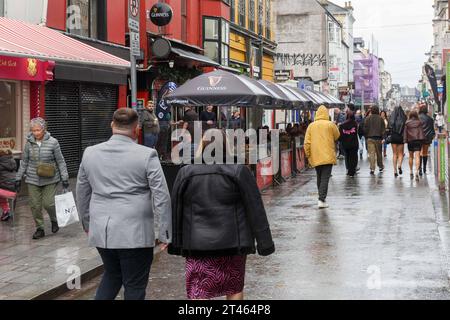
(8, 111)
(87, 18)
(216, 39)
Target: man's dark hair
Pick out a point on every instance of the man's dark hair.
(125, 118)
(413, 115)
(375, 110)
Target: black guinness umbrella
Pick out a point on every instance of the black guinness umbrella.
(219, 88)
(277, 101)
(307, 102)
(293, 102)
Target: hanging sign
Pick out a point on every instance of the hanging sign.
(160, 14)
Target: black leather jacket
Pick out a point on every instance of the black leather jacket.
(428, 126)
(217, 210)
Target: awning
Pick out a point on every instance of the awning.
(195, 56)
(20, 39)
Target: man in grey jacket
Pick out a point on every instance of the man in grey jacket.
(120, 190)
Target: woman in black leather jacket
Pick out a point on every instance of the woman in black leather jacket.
(218, 213)
(428, 128)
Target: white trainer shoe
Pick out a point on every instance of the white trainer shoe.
(322, 205)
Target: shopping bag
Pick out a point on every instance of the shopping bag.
(66, 210)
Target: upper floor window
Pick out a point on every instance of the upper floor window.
(242, 9)
(251, 14)
(216, 39)
(260, 17)
(87, 18)
(268, 19)
(232, 10)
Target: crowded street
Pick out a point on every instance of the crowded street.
(381, 239)
(234, 153)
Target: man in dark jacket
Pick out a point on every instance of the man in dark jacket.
(374, 129)
(428, 129)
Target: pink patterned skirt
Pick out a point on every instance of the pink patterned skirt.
(208, 278)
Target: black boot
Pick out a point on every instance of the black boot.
(39, 234)
(425, 162)
(420, 167)
(55, 227)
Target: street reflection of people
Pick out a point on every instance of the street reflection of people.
(216, 247)
(149, 125)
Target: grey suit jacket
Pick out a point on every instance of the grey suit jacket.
(121, 188)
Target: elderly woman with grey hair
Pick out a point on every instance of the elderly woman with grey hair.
(44, 167)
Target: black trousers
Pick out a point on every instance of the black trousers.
(323, 178)
(351, 160)
(127, 267)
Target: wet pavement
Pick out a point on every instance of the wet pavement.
(380, 239)
(29, 267)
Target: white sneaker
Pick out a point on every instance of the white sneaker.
(322, 205)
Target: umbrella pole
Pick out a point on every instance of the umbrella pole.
(220, 117)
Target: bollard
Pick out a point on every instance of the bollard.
(442, 161)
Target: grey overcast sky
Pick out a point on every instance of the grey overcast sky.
(403, 30)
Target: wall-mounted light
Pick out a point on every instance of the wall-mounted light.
(171, 64)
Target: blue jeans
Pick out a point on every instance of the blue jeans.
(127, 267)
(150, 140)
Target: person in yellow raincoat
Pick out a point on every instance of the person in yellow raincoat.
(320, 149)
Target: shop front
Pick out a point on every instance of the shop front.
(20, 79)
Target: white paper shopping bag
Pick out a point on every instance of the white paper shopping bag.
(66, 210)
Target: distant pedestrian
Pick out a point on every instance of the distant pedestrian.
(397, 123)
(121, 189)
(320, 149)
(362, 140)
(428, 128)
(44, 166)
(384, 116)
(374, 129)
(349, 140)
(440, 121)
(218, 214)
(414, 136)
(149, 124)
(7, 180)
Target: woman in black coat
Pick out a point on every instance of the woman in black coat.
(350, 142)
(397, 123)
(217, 215)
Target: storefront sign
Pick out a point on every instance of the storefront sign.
(135, 44)
(26, 69)
(160, 14)
(7, 143)
(282, 75)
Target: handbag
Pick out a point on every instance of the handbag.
(44, 170)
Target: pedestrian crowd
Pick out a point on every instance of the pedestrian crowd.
(214, 215)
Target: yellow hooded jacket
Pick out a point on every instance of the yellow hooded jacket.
(320, 140)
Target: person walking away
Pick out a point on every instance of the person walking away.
(121, 188)
(208, 118)
(440, 122)
(384, 116)
(414, 136)
(362, 140)
(44, 166)
(428, 129)
(374, 128)
(320, 149)
(397, 123)
(7, 180)
(349, 139)
(215, 231)
(150, 125)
